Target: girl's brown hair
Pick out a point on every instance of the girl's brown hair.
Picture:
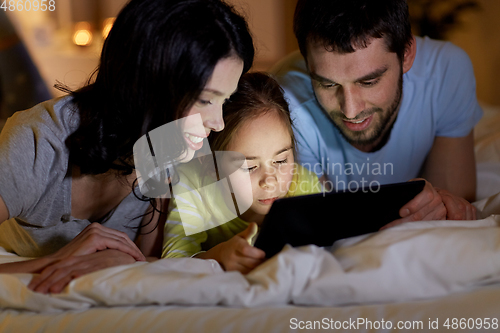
(257, 94)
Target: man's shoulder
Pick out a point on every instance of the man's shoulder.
(429, 45)
(435, 56)
(292, 64)
(291, 73)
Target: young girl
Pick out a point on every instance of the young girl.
(67, 172)
(258, 126)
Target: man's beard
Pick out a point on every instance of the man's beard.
(361, 138)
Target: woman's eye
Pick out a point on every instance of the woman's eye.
(282, 161)
(204, 102)
(250, 169)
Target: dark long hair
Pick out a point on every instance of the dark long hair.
(154, 64)
(345, 25)
(257, 94)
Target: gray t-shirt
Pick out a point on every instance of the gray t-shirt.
(35, 183)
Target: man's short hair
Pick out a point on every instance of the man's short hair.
(346, 25)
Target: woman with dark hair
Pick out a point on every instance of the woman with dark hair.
(67, 167)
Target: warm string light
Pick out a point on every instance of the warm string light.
(83, 34)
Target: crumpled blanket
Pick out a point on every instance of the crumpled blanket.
(409, 262)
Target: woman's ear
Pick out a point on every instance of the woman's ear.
(409, 55)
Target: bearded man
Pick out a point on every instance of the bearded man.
(374, 104)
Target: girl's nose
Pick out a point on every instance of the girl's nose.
(269, 179)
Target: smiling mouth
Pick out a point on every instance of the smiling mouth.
(358, 125)
(194, 142)
(193, 138)
(355, 122)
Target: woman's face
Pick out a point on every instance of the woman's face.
(206, 113)
(267, 146)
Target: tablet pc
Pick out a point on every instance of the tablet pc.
(322, 219)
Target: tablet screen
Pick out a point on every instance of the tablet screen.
(324, 218)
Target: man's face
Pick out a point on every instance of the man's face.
(360, 91)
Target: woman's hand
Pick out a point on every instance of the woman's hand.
(457, 208)
(96, 237)
(426, 206)
(107, 246)
(96, 247)
(56, 276)
(237, 254)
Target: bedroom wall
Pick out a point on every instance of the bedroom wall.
(479, 36)
(271, 25)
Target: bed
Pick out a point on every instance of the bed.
(427, 276)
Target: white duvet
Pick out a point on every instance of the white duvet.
(408, 262)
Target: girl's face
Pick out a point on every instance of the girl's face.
(267, 146)
(206, 113)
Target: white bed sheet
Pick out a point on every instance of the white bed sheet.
(455, 268)
(412, 261)
(479, 303)
(419, 272)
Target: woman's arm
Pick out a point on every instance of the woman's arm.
(30, 266)
(56, 276)
(27, 266)
(92, 239)
(150, 235)
(4, 212)
(93, 249)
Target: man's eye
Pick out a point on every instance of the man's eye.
(327, 85)
(369, 83)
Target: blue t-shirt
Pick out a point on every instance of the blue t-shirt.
(439, 99)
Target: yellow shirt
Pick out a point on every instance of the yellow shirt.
(176, 244)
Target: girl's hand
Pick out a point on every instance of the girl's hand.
(426, 206)
(55, 277)
(96, 237)
(457, 208)
(237, 254)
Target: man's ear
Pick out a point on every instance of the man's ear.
(409, 55)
